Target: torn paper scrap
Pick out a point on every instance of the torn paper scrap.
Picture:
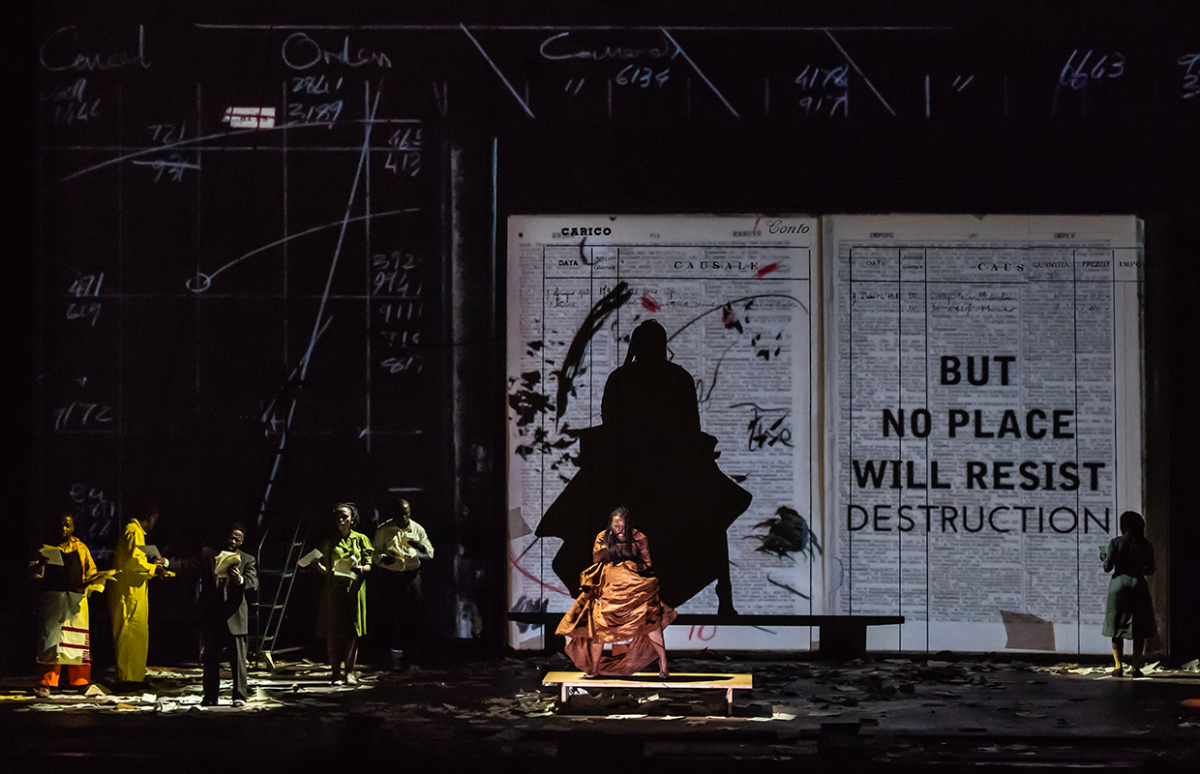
(1027, 632)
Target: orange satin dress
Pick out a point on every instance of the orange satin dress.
(618, 604)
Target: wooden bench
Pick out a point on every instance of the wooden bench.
(727, 682)
(842, 636)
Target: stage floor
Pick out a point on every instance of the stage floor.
(485, 713)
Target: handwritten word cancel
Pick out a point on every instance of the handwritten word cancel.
(58, 53)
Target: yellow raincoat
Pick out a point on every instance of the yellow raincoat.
(128, 602)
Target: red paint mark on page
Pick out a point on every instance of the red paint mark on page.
(513, 561)
(649, 303)
(764, 271)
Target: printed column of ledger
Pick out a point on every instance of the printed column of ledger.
(915, 370)
(576, 280)
(1096, 291)
(753, 412)
(1047, 373)
(974, 335)
(876, 468)
(531, 377)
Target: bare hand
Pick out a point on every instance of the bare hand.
(235, 576)
(320, 567)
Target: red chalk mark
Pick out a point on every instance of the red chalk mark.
(757, 218)
(513, 560)
(649, 303)
(764, 271)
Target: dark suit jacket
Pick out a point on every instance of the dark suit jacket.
(223, 602)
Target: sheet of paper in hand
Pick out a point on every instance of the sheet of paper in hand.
(226, 561)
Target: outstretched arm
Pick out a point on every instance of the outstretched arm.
(138, 563)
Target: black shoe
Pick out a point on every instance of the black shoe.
(208, 702)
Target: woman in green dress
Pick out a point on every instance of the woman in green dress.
(1129, 614)
(342, 617)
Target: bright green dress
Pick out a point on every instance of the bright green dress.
(343, 608)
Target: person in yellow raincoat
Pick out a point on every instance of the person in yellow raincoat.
(129, 599)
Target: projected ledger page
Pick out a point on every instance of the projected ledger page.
(983, 393)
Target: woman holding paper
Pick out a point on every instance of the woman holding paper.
(68, 576)
(342, 617)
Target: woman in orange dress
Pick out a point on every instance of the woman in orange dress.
(618, 604)
(64, 636)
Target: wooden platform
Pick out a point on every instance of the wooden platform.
(727, 682)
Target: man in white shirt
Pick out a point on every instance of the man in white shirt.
(400, 546)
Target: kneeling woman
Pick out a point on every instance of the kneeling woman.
(618, 604)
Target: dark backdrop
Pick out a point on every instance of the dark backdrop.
(681, 107)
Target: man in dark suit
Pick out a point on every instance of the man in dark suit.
(226, 576)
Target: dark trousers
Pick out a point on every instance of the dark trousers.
(214, 641)
(399, 597)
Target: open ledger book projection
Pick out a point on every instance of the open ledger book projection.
(927, 416)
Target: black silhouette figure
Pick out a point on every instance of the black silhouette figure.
(649, 455)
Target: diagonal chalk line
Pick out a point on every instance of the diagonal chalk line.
(270, 407)
(266, 500)
(703, 77)
(861, 74)
(362, 160)
(189, 141)
(497, 71)
(319, 326)
(306, 232)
